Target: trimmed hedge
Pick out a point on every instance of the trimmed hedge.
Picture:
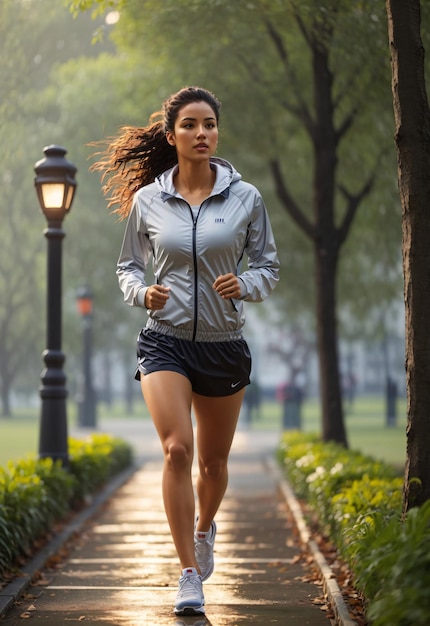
(358, 503)
(35, 493)
(94, 461)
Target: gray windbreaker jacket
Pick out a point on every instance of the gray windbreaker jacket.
(190, 251)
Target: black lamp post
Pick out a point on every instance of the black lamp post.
(87, 400)
(55, 186)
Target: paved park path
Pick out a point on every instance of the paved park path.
(122, 568)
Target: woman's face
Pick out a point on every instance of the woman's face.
(195, 136)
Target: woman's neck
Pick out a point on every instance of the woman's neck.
(195, 181)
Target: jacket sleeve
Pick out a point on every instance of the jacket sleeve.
(134, 257)
(262, 274)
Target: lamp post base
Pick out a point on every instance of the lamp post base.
(53, 438)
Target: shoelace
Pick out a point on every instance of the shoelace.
(192, 581)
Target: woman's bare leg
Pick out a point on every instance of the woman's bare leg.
(216, 424)
(168, 398)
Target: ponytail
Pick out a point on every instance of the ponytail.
(132, 159)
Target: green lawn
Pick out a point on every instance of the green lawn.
(366, 430)
(19, 436)
(365, 424)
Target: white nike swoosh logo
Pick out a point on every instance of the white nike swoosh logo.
(233, 385)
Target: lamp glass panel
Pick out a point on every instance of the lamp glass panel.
(70, 194)
(53, 195)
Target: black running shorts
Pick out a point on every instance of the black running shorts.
(218, 368)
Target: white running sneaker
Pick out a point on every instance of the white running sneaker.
(204, 550)
(190, 599)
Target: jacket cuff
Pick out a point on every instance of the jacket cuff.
(141, 296)
(242, 288)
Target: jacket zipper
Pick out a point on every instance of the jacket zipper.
(194, 240)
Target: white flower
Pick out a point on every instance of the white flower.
(320, 471)
(336, 468)
(304, 461)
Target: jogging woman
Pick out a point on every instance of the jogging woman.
(192, 218)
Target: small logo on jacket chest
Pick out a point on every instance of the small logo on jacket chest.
(219, 220)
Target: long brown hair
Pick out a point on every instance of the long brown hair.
(137, 155)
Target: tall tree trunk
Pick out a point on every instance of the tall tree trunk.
(333, 428)
(412, 136)
(5, 387)
(5, 401)
(326, 244)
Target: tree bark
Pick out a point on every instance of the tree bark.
(412, 137)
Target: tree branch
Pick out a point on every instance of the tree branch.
(346, 124)
(289, 203)
(279, 44)
(301, 111)
(307, 36)
(353, 202)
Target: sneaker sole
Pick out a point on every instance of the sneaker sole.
(190, 610)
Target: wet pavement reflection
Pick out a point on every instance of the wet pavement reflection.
(123, 570)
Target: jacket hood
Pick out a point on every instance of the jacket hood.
(226, 174)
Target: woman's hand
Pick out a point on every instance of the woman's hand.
(156, 297)
(227, 286)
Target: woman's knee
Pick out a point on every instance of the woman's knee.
(178, 455)
(213, 469)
